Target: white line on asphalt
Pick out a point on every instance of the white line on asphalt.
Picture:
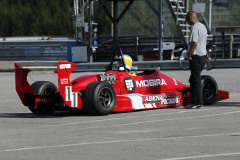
(110, 119)
(116, 141)
(7, 73)
(162, 120)
(8, 101)
(232, 95)
(141, 116)
(204, 156)
(147, 131)
(174, 119)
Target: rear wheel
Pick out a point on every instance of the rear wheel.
(46, 105)
(209, 89)
(99, 98)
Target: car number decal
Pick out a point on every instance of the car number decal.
(71, 96)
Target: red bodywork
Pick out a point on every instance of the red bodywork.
(155, 90)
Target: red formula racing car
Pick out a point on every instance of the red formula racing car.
(102, 94)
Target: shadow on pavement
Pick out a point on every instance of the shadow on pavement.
(227, 104)
(56, 114)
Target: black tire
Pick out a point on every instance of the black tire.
(209, 89)
(99, 98)
(45, 106)
(183, 60)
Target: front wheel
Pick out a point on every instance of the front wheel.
(99, 98)
(209, 89)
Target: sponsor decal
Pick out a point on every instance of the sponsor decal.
(150, 82)
(163, 99)
(129, 84)
(64, 81)
(110, 78)
(65, 66)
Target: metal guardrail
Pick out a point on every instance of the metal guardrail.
(161, 65)
(56, 49)
(137, 45)
(133, 46)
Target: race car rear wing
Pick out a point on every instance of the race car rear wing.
(37, 65)
(64, 69)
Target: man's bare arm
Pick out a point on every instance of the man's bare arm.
(192, 49)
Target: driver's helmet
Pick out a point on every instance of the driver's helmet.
(128, 61)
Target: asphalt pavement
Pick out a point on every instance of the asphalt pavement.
(212, 133)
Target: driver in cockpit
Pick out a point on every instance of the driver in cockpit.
(128, 65)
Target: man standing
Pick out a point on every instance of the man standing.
(197, 57)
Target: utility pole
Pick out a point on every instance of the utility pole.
(160, 30)
(90, 29)
(187, 5)
(210, 15)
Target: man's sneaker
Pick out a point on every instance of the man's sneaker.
(188, 106)
(198, 106)
(193, 106)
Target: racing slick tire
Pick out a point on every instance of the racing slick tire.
(44, 107)
(209, 89)
(99, 98)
